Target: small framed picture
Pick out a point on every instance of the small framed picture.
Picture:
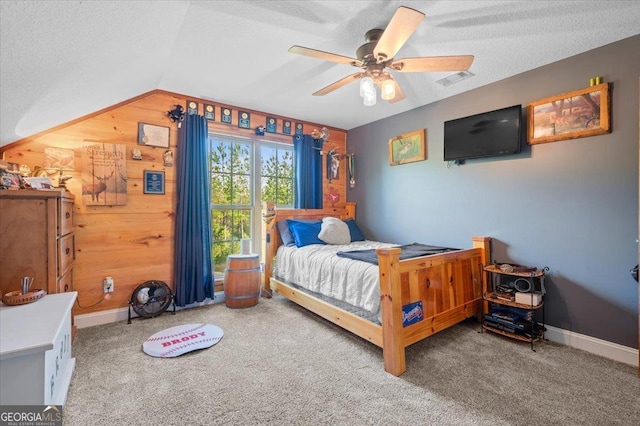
(408, 147)
(209, 112)
(153, 182)
(9, 179)
(152, 135)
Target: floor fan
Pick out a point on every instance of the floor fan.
(150, 299)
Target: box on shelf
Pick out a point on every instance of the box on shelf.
(525, 298)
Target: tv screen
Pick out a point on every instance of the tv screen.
(489, 134)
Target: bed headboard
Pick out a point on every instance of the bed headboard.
(274, 241)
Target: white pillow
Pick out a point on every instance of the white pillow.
(334, 231)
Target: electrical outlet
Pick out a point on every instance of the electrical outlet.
(108, 285)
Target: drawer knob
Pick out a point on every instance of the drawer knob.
(66, 287)
(68, 250)
(67, 215)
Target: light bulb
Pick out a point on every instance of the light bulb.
(366, 86)
(387, 89)
(370, 97)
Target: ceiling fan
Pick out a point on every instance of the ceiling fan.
(376, 58)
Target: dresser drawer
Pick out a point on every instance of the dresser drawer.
(65, 283)
(65, 220)
(66, 253)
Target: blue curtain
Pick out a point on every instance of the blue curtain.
(193, 268)
(308, 172)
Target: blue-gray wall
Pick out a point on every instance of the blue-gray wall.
(569, 205)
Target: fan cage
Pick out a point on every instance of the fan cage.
(151, 299)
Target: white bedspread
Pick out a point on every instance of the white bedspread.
(317, 268)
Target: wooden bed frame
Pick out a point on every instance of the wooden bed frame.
(449, 285)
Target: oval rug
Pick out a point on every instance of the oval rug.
(181, 339)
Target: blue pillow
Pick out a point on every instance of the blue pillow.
(356, 233)
(305, 233)
(285, 234)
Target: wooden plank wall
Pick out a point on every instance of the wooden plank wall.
(135, 242)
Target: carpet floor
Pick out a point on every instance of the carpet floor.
(281, 365)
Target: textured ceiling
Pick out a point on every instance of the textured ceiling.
(60, 60)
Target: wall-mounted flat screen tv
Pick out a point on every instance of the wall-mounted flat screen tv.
(489, 134)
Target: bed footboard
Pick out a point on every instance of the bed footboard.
(437, 291)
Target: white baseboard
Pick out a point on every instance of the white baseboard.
(121, 314)
(590, 344)
(593, 345)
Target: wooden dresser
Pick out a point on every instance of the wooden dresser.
(37, 239)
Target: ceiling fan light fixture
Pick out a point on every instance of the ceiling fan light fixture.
(370, 97)
(367, 86)
(387, 89)
(377, 55)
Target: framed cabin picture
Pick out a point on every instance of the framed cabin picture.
(577, 114)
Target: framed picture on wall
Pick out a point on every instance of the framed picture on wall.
(577, 114)
(408, 147)
(152, 135)
(153, 182)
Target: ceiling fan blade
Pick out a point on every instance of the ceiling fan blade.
(319, 54)
(433, 64)
(338, 84)
(400, 28)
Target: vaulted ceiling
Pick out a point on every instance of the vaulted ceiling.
(60, 60)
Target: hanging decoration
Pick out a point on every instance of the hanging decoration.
(333, 165)
(322, 134)
(176, 115)
(352, 170)
(332, 196)
(104, 174)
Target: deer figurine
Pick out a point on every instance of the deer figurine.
(96, 188)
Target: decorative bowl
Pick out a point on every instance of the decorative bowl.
(17, 298)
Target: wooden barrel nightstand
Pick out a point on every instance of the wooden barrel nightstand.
(242, 280)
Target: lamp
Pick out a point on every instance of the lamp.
(61, 160)
(387, 88)
(370, 97)
(366, 86)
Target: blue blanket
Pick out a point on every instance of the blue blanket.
(408, 251)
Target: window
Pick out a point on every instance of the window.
(276, 171)
(245, 173)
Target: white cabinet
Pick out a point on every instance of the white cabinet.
(35, 351)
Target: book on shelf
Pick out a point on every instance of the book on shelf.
(518, 325)
(497, 326)
(511, 312)
(503, 295)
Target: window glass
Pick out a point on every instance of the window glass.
(240, 185)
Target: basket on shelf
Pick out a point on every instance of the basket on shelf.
(17, 298)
